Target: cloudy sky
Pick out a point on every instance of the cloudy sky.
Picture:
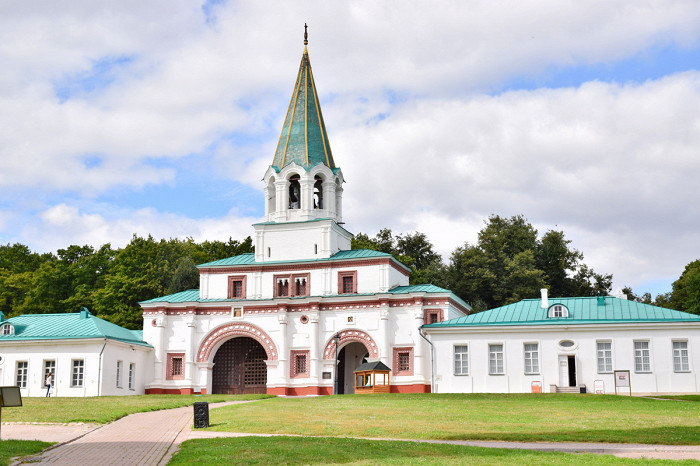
(161, 117)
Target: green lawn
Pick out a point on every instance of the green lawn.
(527, 417)
(104, 408)
(298, 450)
(12, 448)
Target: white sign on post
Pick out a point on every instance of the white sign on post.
(622, 380)
(599, 387)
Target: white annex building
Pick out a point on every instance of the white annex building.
(269, 321)
(569, 345)
(299, 315)
(86, 355)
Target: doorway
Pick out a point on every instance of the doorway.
(239, 368)
(567, 371)
(350, 357)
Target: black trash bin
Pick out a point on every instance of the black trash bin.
(201, 414)
(582, 387)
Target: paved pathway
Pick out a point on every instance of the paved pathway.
(152, 438)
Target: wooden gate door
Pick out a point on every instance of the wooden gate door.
(239, 367)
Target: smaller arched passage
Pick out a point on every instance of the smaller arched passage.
(227, 331)
(347, 336)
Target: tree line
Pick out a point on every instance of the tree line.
(110, 282)
(510, 261)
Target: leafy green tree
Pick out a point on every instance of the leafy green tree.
(510, 263)
(685, 294)
(413, 250)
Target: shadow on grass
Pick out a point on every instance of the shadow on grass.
(666, 435)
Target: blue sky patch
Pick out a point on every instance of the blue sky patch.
(99, 76)
(648, 65)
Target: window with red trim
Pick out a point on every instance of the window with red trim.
(432, 316)
(236, 286)
(403, 361)
(347, 282)
(292, 285)
(299, 366)
(176, 366)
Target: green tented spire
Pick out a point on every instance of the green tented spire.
(304, 140)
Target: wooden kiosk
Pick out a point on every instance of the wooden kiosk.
(372, 377)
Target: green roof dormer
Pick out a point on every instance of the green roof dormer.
(304, 140)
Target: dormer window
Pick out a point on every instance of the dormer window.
(7, 329)
(558, 310)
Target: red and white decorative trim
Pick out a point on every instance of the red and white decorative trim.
(347, 336)
(224, 332)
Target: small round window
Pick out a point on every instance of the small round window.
(567, 344)
(304, 319)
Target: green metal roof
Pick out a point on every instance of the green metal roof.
(584, 310)
(427, 288)
(69, 326)
(304, 140)
(192, 296)
(249, 258)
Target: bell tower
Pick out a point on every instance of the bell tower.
(303, 187)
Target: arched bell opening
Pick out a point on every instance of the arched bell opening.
(271, 195)
(294, 192)
(318, 192)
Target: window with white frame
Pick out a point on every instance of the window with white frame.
(49, 366)
(604, 356)
(132, 373)
(22, 370)
(7, 329)
(78, 369)
(532, 358)
(642, 359)
(496, 359)
(119, 374)
(558, 310)
(461, 359)
(680, 357)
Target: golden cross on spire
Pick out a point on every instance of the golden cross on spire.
(306, 34)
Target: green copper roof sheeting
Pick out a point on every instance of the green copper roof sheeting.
(304, 140)
(69, 326)
(418, 289)
(584, 310)
(249, 258)
(192, 296)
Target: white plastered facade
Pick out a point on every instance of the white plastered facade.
(100, 359)
(558, 347)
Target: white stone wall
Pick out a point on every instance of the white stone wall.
(377, 278)
(64, 352)
(389, 327)
(661, 378)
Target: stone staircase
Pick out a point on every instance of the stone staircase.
(555, 389)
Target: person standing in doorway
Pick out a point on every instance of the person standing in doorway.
(49, 379)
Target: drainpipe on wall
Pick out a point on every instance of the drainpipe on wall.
(99, 370)
(432, 370)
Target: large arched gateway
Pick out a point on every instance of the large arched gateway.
(239, 367)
